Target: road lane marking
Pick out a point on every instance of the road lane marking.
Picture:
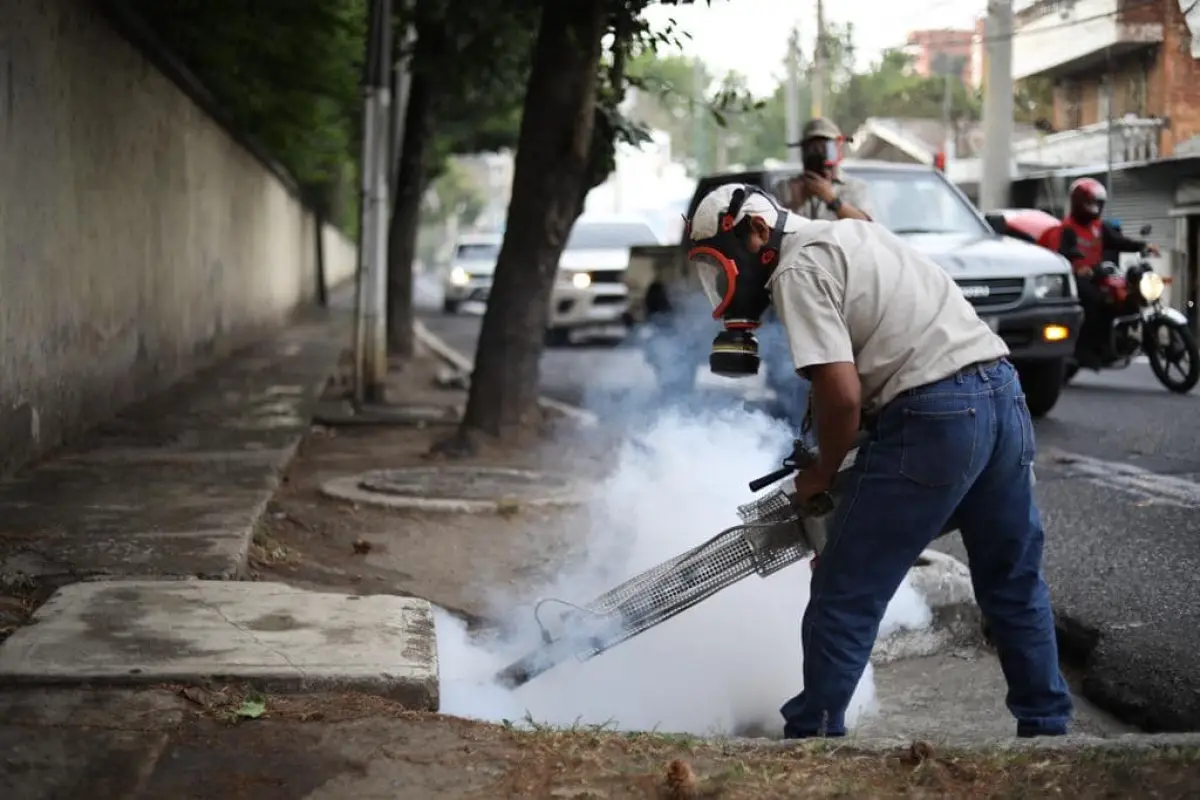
(1151, 487)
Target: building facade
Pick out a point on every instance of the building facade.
(1126, 77)
(941, 52)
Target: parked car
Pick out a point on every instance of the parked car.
(469, 276)
(1026, 293)
(589, 299)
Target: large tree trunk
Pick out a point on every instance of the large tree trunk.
(406, 218)
(550, 173)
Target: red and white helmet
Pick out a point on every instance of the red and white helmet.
(1087, 198)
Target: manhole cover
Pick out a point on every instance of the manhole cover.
(467, 483)
(451, 488)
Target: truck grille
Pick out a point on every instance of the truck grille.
(996, 292)
(607, 276)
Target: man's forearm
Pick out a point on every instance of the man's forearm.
(837, 426)
(848, 211)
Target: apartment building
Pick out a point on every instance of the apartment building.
(1149, 49)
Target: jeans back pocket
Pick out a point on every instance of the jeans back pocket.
(937, 444)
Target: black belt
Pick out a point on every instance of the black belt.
(868, 421)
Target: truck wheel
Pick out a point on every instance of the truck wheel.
(449, 306)
(1043, 383)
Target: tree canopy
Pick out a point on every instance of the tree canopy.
(681, 96)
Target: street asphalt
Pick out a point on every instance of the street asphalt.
(1119, 486)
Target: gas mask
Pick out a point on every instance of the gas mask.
(819, 155)
(735, 281)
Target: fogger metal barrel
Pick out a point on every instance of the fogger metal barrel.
(772, 536)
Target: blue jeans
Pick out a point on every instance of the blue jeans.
(965, 446)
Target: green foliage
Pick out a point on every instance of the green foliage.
(286, 72)
(453, 194)
(475, 62)
(719, 125)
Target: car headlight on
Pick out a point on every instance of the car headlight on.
(1151, 286)
(1052, 287)
(581, 280)
(459, 276)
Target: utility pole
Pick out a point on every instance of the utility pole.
(699, 145)
(997, 106)
(370, 330)
(948, 137)
(1108, 101)
(791, 97)
(820, 64)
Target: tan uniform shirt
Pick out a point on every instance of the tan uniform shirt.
(849, 190)
(852, 291)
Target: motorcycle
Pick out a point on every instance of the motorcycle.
(1141, 325)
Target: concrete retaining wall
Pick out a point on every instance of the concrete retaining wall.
(140, 240)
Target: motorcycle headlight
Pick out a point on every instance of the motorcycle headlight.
(1052, 287)
(1151, 286)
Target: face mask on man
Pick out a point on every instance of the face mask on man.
(735, 281)
(820, 155)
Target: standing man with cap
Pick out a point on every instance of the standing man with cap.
(822, 191)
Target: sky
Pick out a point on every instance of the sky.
(750, 36)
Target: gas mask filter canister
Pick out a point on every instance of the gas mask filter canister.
(735, 281)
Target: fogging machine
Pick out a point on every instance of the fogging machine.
(775, 532)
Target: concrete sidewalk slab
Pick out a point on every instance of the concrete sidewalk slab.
(173, 486)
(272, 636)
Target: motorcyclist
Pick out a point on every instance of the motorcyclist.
(889, 344)
(1086, 241)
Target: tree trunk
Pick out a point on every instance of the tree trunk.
(406, 217)
(549, 175)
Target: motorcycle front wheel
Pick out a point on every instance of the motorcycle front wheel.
(1173, 354)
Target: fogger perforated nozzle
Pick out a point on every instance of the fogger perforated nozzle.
(770, 538)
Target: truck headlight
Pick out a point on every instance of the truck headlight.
(581, 280)
(459, 276)
(1151, 286)
(1052, 287)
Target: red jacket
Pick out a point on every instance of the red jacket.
(1086, 244)
(1088, 241)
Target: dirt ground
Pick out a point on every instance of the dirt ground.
(457, 561)
(187, 742)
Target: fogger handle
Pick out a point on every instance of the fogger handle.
(800, 458)
(771, 477)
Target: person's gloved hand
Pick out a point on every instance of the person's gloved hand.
(809, 484)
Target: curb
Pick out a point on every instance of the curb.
(945, 584)
(1071, 743)
(466, 365)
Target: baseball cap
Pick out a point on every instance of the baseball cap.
(820, 128)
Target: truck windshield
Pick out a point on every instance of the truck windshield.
(913, 201)
(610, 235)
(918, 202)
(481, 251)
